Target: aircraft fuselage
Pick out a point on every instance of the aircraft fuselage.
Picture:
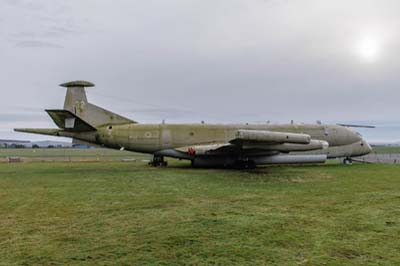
(151, 138)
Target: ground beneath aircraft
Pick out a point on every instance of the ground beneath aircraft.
(124, 213)
(381, 158)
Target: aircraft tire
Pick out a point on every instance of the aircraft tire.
(347, 161)
(244, 165)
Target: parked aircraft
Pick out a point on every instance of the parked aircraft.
(205, 145)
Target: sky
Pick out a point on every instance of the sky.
(220, 61)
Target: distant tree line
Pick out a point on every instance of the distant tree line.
(12, 146)
(21, 146)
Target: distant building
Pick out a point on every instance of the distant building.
(14, 144)
(52, 144)
(81, 146)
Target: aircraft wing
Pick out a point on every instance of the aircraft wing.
(209, 149)
(246, 141)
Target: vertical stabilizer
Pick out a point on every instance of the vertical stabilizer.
(76, 95)
(76, 102)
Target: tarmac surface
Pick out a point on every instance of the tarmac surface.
(384, 158)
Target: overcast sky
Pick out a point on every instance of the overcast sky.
(213, 60)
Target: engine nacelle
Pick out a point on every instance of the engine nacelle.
(291, 159)
(260, 160)
(204, 162)
(272, 137)
(292, 147)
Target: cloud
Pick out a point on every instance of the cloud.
(37, 44)
(14, 2)
(20, 117)
(34, 24)
(223, 60)
(55, 31)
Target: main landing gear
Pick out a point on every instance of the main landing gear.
(245, 164)
(347, 161)
(158, 161)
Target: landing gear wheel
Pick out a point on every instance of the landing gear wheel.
(347, 161)
(158, 161)
(245, 164)
(250, 165)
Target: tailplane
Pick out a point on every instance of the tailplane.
(67, 122)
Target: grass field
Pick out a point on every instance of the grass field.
(120, 213)
(71, 155)
(103, 154)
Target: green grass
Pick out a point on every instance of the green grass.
(71, 154)
(100, 154)
(130, 214)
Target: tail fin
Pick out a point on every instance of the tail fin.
(76, 102)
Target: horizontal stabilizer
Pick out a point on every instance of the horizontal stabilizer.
(69, 122)
(41, 131)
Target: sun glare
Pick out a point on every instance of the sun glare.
(368, 49)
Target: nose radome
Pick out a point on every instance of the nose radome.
(367, 147)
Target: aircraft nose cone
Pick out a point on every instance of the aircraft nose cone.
(365, 148)
(368, 147)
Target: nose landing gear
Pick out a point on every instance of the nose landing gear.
(347, 161)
